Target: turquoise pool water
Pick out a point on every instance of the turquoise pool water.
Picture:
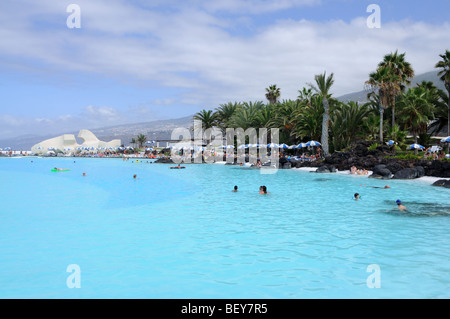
(184, 234)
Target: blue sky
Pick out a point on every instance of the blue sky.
(137, 61)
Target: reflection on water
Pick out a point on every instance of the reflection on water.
(321, 179)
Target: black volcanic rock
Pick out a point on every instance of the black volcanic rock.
(322, 169)
(442, 183)
(410, 173)
(326, 169)
(286, 165)
(381, 171)
(394, 167)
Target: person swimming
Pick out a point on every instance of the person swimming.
(235, 189)
(400, 206)
(356, 196)
(263, 190)
(387, 186)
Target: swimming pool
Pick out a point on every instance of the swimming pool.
(185, 234)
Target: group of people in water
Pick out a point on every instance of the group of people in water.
(262, 189)
(357, 196)
(355, 170)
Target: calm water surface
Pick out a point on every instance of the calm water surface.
(184, 234)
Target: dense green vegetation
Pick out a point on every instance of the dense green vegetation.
(419, 111)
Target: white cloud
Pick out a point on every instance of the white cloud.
(191, 47)
(255, 6)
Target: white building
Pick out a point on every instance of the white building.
(67, 143)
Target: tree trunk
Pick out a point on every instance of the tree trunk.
(381, 122)
(325, 121)
(416, 151)
(393, 115)
(447, 85)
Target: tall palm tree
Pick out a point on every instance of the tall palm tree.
(323, 86)
(273, 93)
(444, 73)
(384, 86)
(403, 72)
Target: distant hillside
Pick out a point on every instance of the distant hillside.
(361, 96)
(154, 130)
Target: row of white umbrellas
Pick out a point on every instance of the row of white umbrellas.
(416, 146)
(271, 145)
(274, 145)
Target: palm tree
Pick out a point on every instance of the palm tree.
(384, 82)
(207, 117)
(224, 113)
(415, 110)
(265, 116)
(440, 112)
(284, 118)
(347, 123)
(398, 135)
(305, 94)
(273, 93)
(403, 72)
(247, 116)
(308, 118)
(208, 120)
(444, 73)
(371, 126)
(133, 142)
(323, 86)
(141, 139)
